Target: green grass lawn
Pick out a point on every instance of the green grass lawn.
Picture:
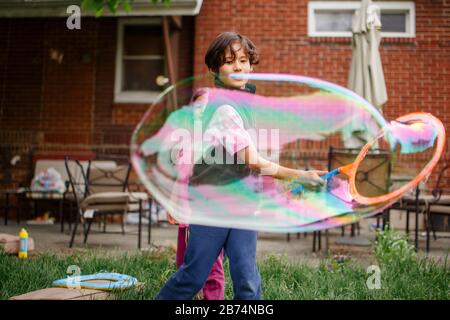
(403, 274)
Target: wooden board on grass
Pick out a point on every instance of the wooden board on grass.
(68, 294)
(63, 294)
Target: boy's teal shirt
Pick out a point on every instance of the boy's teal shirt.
(220, 174)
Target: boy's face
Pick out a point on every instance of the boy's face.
(240, 64)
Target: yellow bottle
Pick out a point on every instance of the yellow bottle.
(23, 244)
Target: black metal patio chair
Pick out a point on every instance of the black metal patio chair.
(102, 191)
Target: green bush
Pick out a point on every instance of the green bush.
(392, 248)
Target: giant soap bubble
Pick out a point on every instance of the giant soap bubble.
(187, 158)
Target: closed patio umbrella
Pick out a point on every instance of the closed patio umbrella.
(366, 77)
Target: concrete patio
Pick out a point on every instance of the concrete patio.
(49, 237)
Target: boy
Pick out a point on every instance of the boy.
(229, 53)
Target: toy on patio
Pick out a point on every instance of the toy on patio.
(181, 152)
(42, 219)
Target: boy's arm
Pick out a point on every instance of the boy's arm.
(256, 162)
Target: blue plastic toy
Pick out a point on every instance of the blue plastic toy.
(118, 281)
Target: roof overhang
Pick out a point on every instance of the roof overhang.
(58, 8)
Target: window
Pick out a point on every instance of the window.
(334, 18)
(140, 60)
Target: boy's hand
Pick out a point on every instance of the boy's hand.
(311, 179)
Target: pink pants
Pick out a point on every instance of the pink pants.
(214, 288)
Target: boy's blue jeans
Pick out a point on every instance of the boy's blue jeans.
(204, 246)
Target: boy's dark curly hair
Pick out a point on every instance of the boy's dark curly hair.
(215, 55)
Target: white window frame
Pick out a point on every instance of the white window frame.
(387, 7)
(131, 96)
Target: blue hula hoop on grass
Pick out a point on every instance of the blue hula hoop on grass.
(118, 281)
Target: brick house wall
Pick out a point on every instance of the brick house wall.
(417, 70)
(70, 104)
(66, 106)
